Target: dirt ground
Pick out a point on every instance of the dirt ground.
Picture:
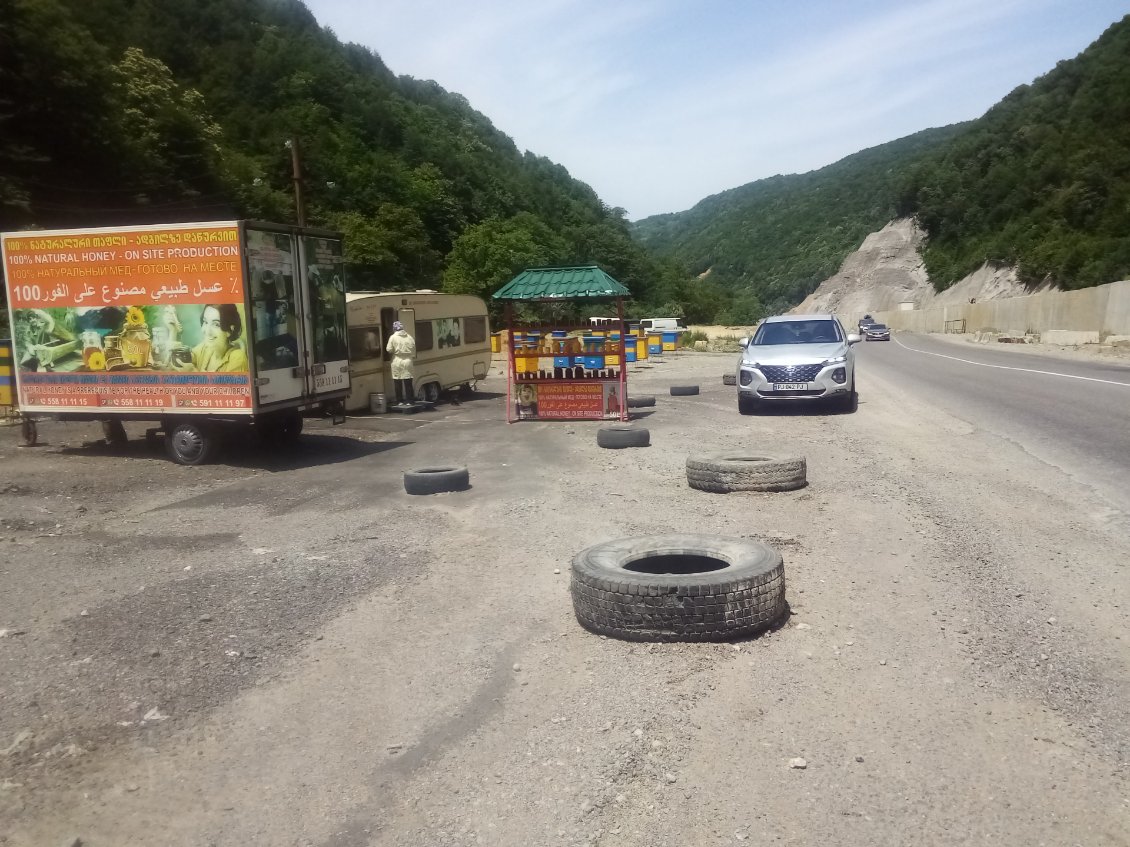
(293, 651)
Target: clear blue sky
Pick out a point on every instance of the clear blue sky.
(659, 103)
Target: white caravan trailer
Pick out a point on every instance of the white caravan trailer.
(452, 335)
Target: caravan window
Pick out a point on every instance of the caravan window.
(424, 339)
(447, 332)
(475, 330)
(365, 342)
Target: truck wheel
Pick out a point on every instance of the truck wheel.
(281, 431)
(744, 472)
(29, 433)
(436, 480)
(190, 443)
(678, 588)
(114, 432)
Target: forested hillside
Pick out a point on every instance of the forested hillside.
(775, 240)
(128, 111)
(1041, 182)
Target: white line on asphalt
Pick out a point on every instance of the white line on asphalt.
(1007, 368)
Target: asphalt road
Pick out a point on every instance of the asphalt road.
(1074, 415)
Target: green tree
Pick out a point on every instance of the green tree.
(488, 255)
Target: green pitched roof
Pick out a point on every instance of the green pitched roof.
(561, 284)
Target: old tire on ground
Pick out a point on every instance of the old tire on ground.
(191, 443)
(729, 379)
(734, 471)
(641, 401)
(615, 436)
(685, 587)
(436, 480)
(684, 390)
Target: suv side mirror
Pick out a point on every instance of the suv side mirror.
(743, 342)
(854, 338)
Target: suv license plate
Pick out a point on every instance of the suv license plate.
(790, 386)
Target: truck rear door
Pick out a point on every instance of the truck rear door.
(323, 266)
(277, 306)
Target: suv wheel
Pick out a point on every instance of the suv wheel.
(747, 405)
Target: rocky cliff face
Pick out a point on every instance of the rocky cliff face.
(887, 271)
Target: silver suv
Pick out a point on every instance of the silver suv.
(794, 358)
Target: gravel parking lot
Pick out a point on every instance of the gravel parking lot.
(291, 650)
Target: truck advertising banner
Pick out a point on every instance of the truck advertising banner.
(131, 319)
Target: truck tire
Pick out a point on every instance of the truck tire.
(191, 443)
(686, 587)
(280, 431)
(29, 432)
(727, 472)
(616, 436)
(114, 432)
(641, 401)
(436, 480)
(729, 379)
(684, 390)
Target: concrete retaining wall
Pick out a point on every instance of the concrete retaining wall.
(1101, 311)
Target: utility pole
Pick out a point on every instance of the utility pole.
(296, 166)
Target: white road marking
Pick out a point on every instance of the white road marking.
(1007, 368)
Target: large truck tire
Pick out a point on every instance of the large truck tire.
(114, 432)
(684, 390)
(282, 430)
(685, 587)
(616, 436)
(729, 379)
(727, 472)
(640, 401)
(191, 443)
(436, 480)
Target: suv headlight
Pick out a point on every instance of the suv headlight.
(837, 360)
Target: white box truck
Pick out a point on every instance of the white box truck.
(200, 327)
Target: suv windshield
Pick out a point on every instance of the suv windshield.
(798, 332)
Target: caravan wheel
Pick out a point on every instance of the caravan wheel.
(431, 392)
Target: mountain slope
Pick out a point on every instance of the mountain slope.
(780, 237)
(126, 111)
(1040, 183)
(887, 270)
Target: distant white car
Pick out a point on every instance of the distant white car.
(797, 358)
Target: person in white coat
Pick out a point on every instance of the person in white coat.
(402, 346)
